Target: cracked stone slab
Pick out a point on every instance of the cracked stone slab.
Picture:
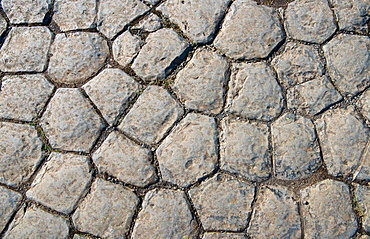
(362, 194)
(25, 49)
(70, 122)
(3, 25)
(218, 235)
(20, 153)
(150, 23)
(254, 92)
(23, 97)
(364, 103)
(200, 85)
(107, 211)
(10, 201)
(165, 214)
(296, 152)
(249, 31)
(327, 210)
(61, 182)
(223, 203)
(126, 47)
(24, 11)
(189, 153)
(128, 162)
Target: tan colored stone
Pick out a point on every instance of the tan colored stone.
(126, 47)
(10, 200)
(217, 235)
(150, 23)
(362, 194)
(25, 11)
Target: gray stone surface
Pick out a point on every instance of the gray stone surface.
(128, 162)
(363, 170)
(362, 194)
(150, 23)
(218, 235)
(20, 153)
(165, 213)
(244, 149)
(200, 85)
(152, 115)
(348, 62)
(61, 181)
(106, 211)
(10, 200)
(153, 1)
(364, 103)
(3, 25)
(77, 56)
(111, 91)
(23, 97)
(25, 49)
(70, 122)
(249, 31)
(223, 203)
(189, 152)
(254, 92)
(126, 47)
(78, 236)
(162, 51)
(296, 151)
(24, 11)
(327, 210)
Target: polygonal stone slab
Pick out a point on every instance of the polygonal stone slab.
(362, 194)
(126, 47)
(77, 56)
(223, 203)
(10, 200)
(152, 115)
(70, 122)
(128, 162)
(150, 23)
(165, 214)
(249, 31)
(363, 170)
(218, 235)
(106, 211)
(364, 103)
(327, 210)
(189, 152)
(201, 84)
(61, 181)
(20, 152)
(296, 150)
(3, 25)
(25, 49)
(24, 11)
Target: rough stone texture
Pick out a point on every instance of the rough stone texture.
(25, 49)
(198, 19)
(310, 20)
(363, 170)
(153, 1)
(150, 23)
(3, 25)
(20, 152)
(275, 214)
(162, 51)
(189, 152)
(223, 203)
(77, 236)
(22, 97)
(296, 152)
(24, 11)
(362, 194)
(245, 149)
(125, 48)
(111, 91)
(70, 122)
(249, 31)
(165, 214)
(254, 92)
(114, 15)
(348, 62)
(200, 85)
(152, 115)
(10, 200)
(61, 181)
(217, 235)
(128, 162)
(77, 56)
(106, 211)
(364, 103)
(327, 210)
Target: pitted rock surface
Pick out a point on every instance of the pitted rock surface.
(10, 200)
(362, 194)
(126, 47)
(24, 11)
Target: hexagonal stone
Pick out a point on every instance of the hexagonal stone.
(348, 62)
(296, 150)
(25, 49)
(249, 31)
(128, 162)
(201, 84)
(126, 47)
(20, 153)
(10, 200)
(218, 235)
(24, 11)
(150, 23)
(114, 15)
(3, 25)
(111, 91)
(70, 122)
(362, 194)
(189, 153)
(245, 149)
(165, 214)
(61, 181)
(106, 211)
(364, 103)
(254, 92)
(327, 210)
(77, 56)
(223, 203)
(197, 19)
(310, 20)
(164, 49)
(152, 115)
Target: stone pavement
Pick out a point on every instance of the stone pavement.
(184, 119)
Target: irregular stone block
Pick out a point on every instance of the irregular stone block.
(362, 194)
(126, 47)
(24, 11)
(10, 200)
(216, 235)
(150, 23)
(364, 103)
(3, 25)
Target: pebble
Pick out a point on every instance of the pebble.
(10, 200)
(25, 11)
(126, 47)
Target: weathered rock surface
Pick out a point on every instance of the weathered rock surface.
(3, 25)
(125, 48)
(24, 11)
(363, 170)
(362, 194)
(364, 103)
(150, 23)
(10, 200)
(217, 235)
